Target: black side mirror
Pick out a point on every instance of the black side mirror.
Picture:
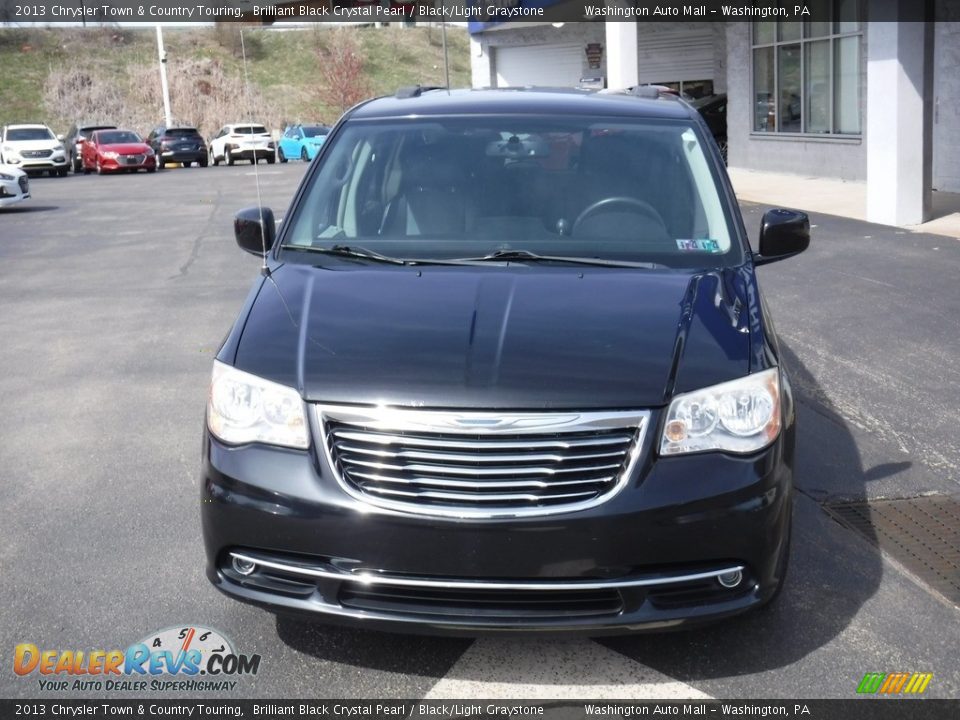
(783, 234)
(255, 230)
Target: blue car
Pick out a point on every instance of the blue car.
(302, 141)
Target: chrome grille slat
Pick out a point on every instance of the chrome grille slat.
(475, 457)
(373, 437)
(482, 471)
(479, 464)
(473, 497)
(479, 485)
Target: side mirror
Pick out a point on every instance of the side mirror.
(783, 234)
(253, 234)
(61, 138)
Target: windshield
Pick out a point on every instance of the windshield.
(117, 137)
(29, 134)
(315, 131)
(446, 188)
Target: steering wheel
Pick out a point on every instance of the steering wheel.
(642, 207)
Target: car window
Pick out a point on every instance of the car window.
(182, 132)
(640, 190)
(250, 130)
(21, 134)
(314, 131)
(117, 137)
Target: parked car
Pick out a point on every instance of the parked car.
(33, 148)
(181, 144)
(117, 151)
(301, 141)
(713, 108)
(14, 185)
(486, 382)
(242, 141)
(74, 142)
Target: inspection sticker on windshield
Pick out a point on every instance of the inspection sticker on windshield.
(703, 245)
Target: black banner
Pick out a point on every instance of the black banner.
(853, 709)
(480, 14)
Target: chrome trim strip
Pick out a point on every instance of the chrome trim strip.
(492, 423)
(372, 578)
(496, 445)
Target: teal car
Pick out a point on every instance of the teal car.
(302, 141)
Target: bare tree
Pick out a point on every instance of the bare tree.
(342, 77)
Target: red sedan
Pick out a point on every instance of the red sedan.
(115, 151)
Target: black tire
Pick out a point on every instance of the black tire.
(99, 168)
(150, 170)
(77, 165)
(303, 155)
(228, 156)
(160, 163)
(281, 156)
(214, 159)
(62, 172)
(86, 170)
(202, 163)
(270, 159)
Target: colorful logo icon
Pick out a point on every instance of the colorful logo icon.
(898, 683)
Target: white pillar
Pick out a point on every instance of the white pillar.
(898, 129)
(622, 67)
(480, 70)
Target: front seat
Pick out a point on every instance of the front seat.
(431, 200)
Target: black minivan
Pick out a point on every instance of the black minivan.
(507, 367)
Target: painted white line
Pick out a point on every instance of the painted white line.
(554, 669)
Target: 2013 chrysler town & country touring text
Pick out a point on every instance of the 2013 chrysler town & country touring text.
(507, 367)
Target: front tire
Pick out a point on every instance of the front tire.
(160, 163)
(213, 158)
(303, 155)
(100, 169)
(228, 156)
(62, 172)
(281, 156)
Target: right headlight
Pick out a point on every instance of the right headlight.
(740, 416)
(244, 408)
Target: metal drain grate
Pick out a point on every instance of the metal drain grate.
(923, 534)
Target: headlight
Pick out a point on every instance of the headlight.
(740, 416)
(244, 408)
(4, 176)
(58, 148)
(149, 152)
(110, 154)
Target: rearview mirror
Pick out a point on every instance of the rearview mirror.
(255, 230)
(783, 234)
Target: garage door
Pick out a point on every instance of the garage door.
(671, 55)
(547, 65)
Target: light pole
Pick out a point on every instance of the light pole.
(163, 77)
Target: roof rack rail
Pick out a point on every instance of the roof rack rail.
(416, 91)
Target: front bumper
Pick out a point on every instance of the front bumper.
(117, 164)
(28, 164)
(14, 191)
(648, 558)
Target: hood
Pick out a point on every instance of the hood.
(11, 170)
(125, 148)
(495, 337)
(26, 145)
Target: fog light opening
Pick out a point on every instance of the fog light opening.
(728, 580)
(243, 567)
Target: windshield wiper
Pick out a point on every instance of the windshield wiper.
(528, 256)
(354, 251)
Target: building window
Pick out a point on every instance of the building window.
(692, 89)
(806, 75)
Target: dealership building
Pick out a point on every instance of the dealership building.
(844, 97)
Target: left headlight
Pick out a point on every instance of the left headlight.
(244, 408)
(5, 176)
(740, 416)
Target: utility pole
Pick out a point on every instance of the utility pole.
(163, 77)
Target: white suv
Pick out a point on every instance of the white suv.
(247, 141)
(33, 147)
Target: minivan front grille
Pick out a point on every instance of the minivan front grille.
(480, 464)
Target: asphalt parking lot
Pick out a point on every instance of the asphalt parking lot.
(115, 293)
